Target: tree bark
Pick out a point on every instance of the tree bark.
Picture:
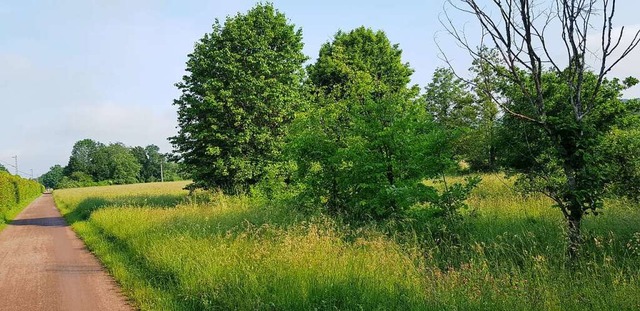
(575, 236)
(574, 212)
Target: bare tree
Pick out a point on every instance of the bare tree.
(526, 35)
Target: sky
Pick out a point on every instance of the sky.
(106, 69)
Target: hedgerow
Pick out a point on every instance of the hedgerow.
(15, 193)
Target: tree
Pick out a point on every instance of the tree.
(373, 166)
(51, 178)
(170, 170)
(449, 102)
(451, 105)
(154, 160)
(242, 88)
(486, 86)
(565, 105)
(360, 61)
(115, 163)
(364, 146)
(150, 160)
(141, 155)
(622, 146)
(82, 156)
(3, 169)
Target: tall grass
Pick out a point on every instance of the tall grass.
(171, 251)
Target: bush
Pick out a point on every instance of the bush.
(16, 192)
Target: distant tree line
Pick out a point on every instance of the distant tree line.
(94, 163)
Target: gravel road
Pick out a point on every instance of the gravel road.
(44, 266)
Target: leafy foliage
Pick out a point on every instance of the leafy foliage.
(483, 149)
(372, 167)
(115, 162)
(564, 145)
(452, 106)
(151, 161)
(449, 102)
(366, 145)
(563, 156)
(93, 163)
(361, 61)
(16, 192)
(242, 89)
(82, 156)
(52, 178)
(621, 147)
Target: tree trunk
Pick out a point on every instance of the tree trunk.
(492, 149)
(390, 176)
(575, 236)
(492, 158)
(333, 196)
(574, 211)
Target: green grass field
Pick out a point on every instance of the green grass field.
(171, 251)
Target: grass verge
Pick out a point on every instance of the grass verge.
(174, 252)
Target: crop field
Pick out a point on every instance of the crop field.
(174, 251)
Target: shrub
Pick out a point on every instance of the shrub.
(16, 192)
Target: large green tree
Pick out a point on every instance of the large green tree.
(449, 101)
(150, 160)
(81, 156)
(485, 86)
(451, 104)
(360, 61)
(364, 146)
(52, 178)
(115, 163)
(242, 89)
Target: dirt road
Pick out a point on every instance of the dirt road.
(44, 266)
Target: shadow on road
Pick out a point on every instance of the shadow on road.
(41, 222)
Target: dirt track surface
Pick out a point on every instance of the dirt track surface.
(44, 266)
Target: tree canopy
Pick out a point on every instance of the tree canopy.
(243, 85)
(556, 108)
(364, 146)
(52, 178)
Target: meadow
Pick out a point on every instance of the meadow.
(173, 251)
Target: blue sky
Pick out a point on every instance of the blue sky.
(105, 69)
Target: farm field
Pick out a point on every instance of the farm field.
(173, 251)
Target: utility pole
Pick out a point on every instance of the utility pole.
(31, 174)
(16, 166)
(161, 170)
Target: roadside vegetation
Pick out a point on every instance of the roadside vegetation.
(15, 194)
(172, 251)
(340, 185)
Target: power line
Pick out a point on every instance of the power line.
(15, 167)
